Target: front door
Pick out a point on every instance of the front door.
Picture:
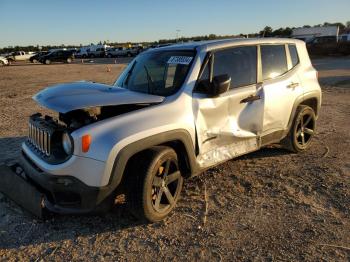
(229, 125)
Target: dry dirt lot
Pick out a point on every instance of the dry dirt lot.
(270, 205)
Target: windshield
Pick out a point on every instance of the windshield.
(159, 73)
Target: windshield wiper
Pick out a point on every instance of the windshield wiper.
(125, 82)
(149, 81)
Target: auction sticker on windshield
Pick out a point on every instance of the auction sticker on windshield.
(183, 60)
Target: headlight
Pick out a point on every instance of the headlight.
(67, 143)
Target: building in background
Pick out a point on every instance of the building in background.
(322, 34)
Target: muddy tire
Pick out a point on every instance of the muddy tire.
(302, 130)
(154, 184)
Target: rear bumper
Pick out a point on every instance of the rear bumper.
(63, 194)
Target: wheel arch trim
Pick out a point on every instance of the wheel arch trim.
(163, 138)
(299, 101)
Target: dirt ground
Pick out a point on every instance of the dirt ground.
(270, 205)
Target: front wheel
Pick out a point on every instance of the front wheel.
(69, 60)
(155, 183)
(302, 130)
(47, 61)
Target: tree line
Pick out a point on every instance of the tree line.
(267, 31)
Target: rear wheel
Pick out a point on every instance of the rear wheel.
(47, 61)
(154, 184)
(69, 60)
(302, 130)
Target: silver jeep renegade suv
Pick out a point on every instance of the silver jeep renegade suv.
(173, 113)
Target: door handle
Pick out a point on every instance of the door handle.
(250, 99)
(292, 85)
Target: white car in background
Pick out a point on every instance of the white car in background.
(3, 61)
(20, 56)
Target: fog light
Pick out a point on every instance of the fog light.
(64, 181)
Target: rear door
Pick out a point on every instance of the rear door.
(229, 125)
(281, 87)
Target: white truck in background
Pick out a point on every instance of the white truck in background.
(19, 56)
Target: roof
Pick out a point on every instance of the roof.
(316, 31)
(222, 43)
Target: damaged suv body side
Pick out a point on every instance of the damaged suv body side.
(173, 112)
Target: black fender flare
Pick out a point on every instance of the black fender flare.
(312, 94)
(130, 150)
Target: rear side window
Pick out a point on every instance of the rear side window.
(293, 55)
(240, 63)
(273, 61)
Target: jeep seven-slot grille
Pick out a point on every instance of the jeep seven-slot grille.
(40, 139)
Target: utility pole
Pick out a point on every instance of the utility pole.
(177, 34)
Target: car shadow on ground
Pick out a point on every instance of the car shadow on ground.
(14, 221)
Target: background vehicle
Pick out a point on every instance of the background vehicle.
(19, 56)
(122, 51)
(57, 56)
(344, 38)
(97, 50)
(322, 40)
(82, 52)
(3, 61)
(35, 58)
(165, 119)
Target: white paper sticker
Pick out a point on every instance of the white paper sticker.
(183, 60)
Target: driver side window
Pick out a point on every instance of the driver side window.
(240, 63)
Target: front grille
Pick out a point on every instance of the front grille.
(39, 138)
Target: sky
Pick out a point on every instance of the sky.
(38, 22)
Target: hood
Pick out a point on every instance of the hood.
(80, 95)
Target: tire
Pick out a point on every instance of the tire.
(47, 61)
(302, 130)
(154, 184)
(69, 60)
(34, 61)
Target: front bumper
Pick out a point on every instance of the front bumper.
(64, 194)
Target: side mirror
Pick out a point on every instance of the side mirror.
(220, 84)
